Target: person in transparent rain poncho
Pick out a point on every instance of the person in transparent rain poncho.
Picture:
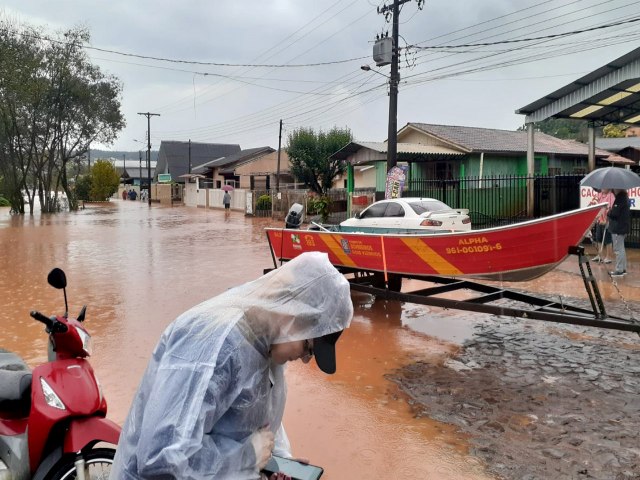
(211, 401)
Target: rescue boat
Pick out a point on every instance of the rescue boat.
(514, 253)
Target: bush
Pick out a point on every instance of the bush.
(264, 202)
(319, 206)
(83, 187)
(4, 202)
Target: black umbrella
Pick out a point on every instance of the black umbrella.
(611, 178)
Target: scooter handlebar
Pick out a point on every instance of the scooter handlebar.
(41, 318)
(53, 326)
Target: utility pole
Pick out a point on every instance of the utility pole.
(140, 171)
(149, 115)
(278, 168)
(189, 156)
(394, 79)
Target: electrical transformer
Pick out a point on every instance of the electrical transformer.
(383, 51)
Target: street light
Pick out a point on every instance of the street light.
(367, 68)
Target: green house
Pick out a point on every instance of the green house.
(453, 152)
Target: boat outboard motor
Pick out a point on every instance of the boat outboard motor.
(294, 216)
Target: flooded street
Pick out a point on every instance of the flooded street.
(138, 268)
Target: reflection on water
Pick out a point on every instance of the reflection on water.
(138, 268)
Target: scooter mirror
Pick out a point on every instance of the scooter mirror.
(57, 278)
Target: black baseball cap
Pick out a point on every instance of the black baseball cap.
(324, 351)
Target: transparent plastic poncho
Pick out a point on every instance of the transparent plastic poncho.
(210, 384)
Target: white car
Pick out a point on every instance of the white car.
(408, 215)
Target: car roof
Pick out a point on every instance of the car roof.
(409, 199)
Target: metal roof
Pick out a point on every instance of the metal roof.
(226, 165)
(173, 156)
(203, 167)
(240, 157)
(609, 94)
(134, 172)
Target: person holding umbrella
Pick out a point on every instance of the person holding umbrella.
(619, 180)
(619, 224)
(602, 232)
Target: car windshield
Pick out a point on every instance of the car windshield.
(422, 206)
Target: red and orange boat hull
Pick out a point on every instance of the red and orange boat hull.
(517, 252)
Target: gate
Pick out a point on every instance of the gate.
(556, 194)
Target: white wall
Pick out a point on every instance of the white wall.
(198, 198)
(190, 195)
(202, 197)
(238, 198)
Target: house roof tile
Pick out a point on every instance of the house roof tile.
(479, 139)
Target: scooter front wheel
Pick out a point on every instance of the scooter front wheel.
(97, 466)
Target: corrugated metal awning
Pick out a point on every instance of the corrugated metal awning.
(609, 94)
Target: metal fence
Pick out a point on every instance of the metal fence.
(491, 201)
(268, 203)
(502, 200)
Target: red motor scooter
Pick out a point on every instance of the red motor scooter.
(51, 419)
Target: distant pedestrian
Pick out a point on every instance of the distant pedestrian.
(619, 223)
(124, 194)
(226, 200)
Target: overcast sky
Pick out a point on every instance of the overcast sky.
(471, 85)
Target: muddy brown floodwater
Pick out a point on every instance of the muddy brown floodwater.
(137, 268)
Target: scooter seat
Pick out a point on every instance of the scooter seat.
(11, 361)
(15, 384)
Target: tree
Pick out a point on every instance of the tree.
(53, 104)
(104, 180)
(20, 102)
(309, 154)
(563, 128)
(614, 130)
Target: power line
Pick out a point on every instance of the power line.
(514, 49)
(495, 30)
(310, 112)
(349, 24)
(517, 40)
(293, 42)
(191, 62)
(317, 109)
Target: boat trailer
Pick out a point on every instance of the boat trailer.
(486, 298)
